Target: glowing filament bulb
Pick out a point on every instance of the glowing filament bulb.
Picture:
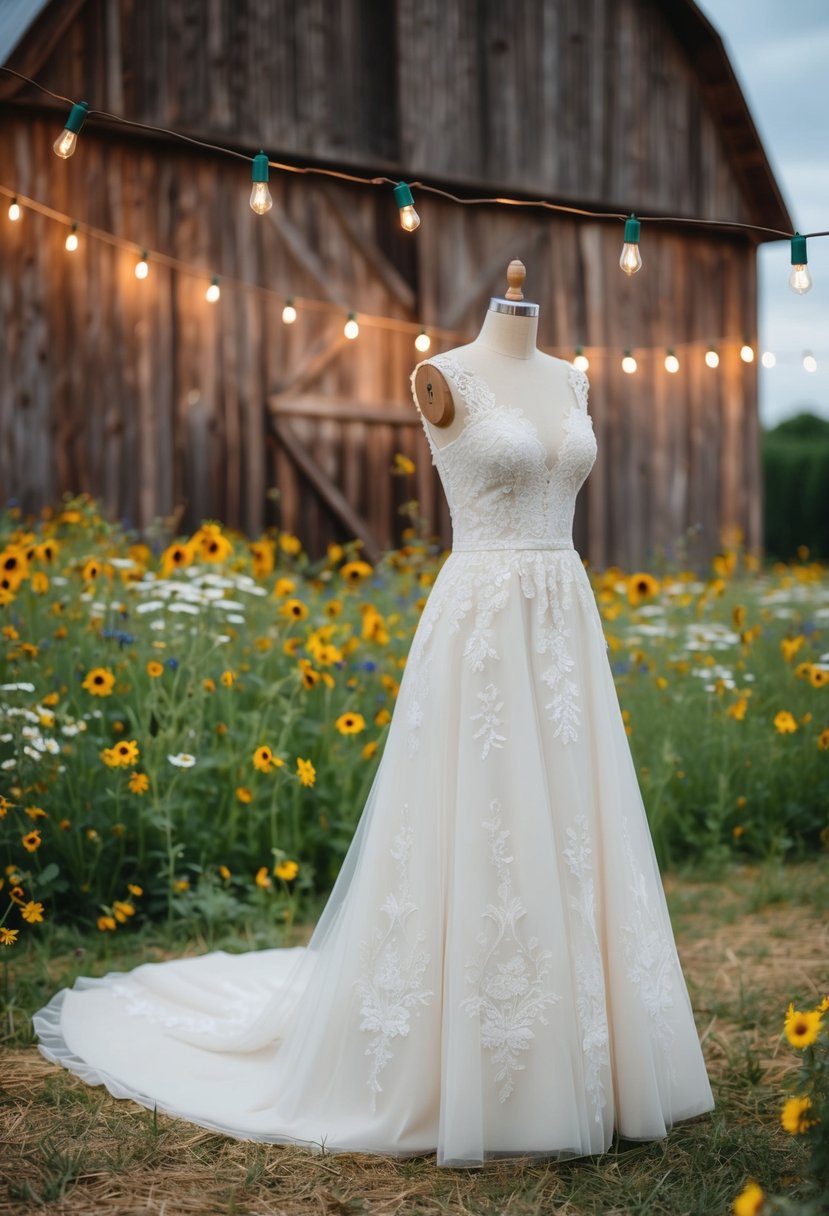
(581, 360)
(671, 362)
(65, 143)
(409, 219)
(71, 242)
(423, 341)
(14, 210)
(712, 358)
(809, 362)
(289, 312)
(260, 195)
(351, 329)
(746, 353)
(769, 358)
(631, 259)
(142, 266)
(800, 280)
(214, 291)
(628, 363)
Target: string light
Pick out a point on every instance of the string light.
(409, 219)
(671, 362)
(14, 211)
(628, 363)
(711, 357)
(142, 266)
(631, 259)
(351, 329)
(289, 312)
(809, 362)
(747, 351)
(214, 291)
(581, 360)
(260, 195)
(800, 280)
(423, 341)
(768, 359)
(65, 143)
(71, 242)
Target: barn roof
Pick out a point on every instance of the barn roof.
(31, 29)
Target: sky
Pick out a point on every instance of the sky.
(779, 50)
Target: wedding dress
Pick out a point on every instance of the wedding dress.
(494, 973)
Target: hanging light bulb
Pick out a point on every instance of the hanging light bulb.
(351, 329)
(65, 143)
(631, 259)
(142, 266)
(260, 195)
(628, 363)
(768, 359)
(581, 360)
(800, 280)
(712, 358)
(289, 312)
(14, 210)
(409, 219)
(747, 352)
(71, 242)
(423, 341)
(671, 362)
(809, 361)
(214, 291)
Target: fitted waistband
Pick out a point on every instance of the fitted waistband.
(498, 547)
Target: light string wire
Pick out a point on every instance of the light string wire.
(422, 186)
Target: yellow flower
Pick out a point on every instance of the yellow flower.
(784, 722)
(106, 923)
(369, 749)
(181, 884)
(738, 615)
(402, 464)
(227, 678)
(7, 936)
(32, 841)
(724, 563)
(790, 646)
(295, 609)
(122, 911)
(155, 669)
(382, 717)
(306, 771)
(641, 586)
(134, 889)
(350, 723)
(802, 1028)
(123, 754)
(333, 608)
(286, 870)
(749, 1202)
(737, 831)
(290, 544)
(823, 739)
(243, 794)
(738, 709)
(177, 556)
(262, 555)
(91, 570)
(224, 873)
(99, 681)
(35, 812)
(793, 1115)
(354, 572)
(283, 586)
(262, 879)
(139, 783)
(263, 759)
(818, 676)
(32, 912)
(214, 547)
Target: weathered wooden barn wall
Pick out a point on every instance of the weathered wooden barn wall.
(158, 401)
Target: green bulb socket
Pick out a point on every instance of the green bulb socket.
(76, 116)
(403, 195)
(259, 168)
(798, 250)
(579, 350)
(632, 227)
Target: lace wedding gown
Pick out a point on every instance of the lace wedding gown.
(494, 973)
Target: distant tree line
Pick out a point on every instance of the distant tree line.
(795, 456)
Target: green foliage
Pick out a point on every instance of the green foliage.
(795, 460)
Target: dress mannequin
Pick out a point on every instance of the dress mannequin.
(505, 355)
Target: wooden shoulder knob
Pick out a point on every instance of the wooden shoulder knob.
(516, 274)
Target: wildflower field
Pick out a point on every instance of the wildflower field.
(189, 727)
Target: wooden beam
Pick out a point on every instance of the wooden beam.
(392, 280)
(326, 489)
(342, 409)
(496, 267)
(318, 358)
(305, 255)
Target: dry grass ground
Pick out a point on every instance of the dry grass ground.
(749, 942)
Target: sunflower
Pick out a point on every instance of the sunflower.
(294, 609)
(823, 740)
(32, 841)
(784, 722)
(749, 1202)
(641, 586)
(818, 676)
(802, 1028)
(790, 646)
(155, 669)
(177, 557)
(283, 586)
(99, 682)
(350, 723)
(793, 1115)
(286, 870)
(263, 758)
(243, 794)
(139, 783)
(305, 771)
(356, 571)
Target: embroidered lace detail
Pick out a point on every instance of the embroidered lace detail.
(508, 975)
(392, 966)
(490, 721)
(239, 1005)
(590, 989)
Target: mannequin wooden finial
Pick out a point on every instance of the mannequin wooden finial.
(516, 274)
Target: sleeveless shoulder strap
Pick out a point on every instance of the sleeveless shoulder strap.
(580, 386)
(477, 396)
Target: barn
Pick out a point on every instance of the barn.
(164, 405)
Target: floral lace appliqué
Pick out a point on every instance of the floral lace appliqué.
(392, 967)
(490, 721)
(507, 977)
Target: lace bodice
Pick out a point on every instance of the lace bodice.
(504, 490)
